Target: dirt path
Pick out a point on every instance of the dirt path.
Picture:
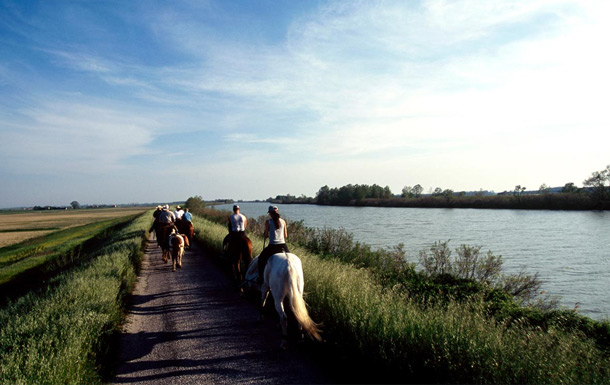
(192, 327)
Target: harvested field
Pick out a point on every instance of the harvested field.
(19, 226)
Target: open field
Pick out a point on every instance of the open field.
(18, 226)
(43, 243)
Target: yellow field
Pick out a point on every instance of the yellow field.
(18, 226)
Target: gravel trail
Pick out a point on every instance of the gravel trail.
(192, 327)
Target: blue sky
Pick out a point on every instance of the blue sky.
(153, 101)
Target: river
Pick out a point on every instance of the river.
(570, 250)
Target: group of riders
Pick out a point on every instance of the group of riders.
(180, 221)
(285, 272)
(275, 230)
(167, 222)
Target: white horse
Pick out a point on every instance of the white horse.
(284, 278)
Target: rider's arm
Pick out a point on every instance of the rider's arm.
(285, 230)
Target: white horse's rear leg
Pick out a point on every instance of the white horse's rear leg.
(279, 308)
(264, 294)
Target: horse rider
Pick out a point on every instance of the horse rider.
(276, 231)
(187, 225)
(178, 212)
(157, 212)
(237, 230)
(155, 224)
(187, 215)
(166, 222)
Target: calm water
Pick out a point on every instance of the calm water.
(569, 250)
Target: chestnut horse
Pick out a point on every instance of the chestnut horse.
(284, 278)
(238, 249)
(177, 243)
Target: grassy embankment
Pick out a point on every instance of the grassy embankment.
(394, 336)
(62, 333)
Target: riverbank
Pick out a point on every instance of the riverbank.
(560, 246)
(377, 325)
(550, 201)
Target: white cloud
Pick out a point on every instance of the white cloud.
(67, 136)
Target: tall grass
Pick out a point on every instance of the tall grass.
(402, 340)
(64, 333)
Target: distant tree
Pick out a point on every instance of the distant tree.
(544, 189)
(447, 193)
(407, 192)
(569, 188)
(323, 195)
(597, 183)
(195, 203)
(417, 190)
(519, 190)
(437, 192)
(387, 192)
(75, 205)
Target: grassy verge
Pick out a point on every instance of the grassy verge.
(396, 338)
(62, 334)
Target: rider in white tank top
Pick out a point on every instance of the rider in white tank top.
(276, 236)
(238, 222)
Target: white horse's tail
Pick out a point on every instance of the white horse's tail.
(297, 303)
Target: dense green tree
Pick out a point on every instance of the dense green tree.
(351, 193)
(194, 203)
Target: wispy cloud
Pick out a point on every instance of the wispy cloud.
(71, 137)
(353, 92)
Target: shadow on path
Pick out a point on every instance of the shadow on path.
(191, 326)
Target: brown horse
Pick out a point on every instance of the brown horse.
(177, 243)
(237, 249)
(186, 228)
(163, 232)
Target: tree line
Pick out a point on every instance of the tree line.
(594, 195)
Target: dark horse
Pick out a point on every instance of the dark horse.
(238, 248)
(186, 228)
